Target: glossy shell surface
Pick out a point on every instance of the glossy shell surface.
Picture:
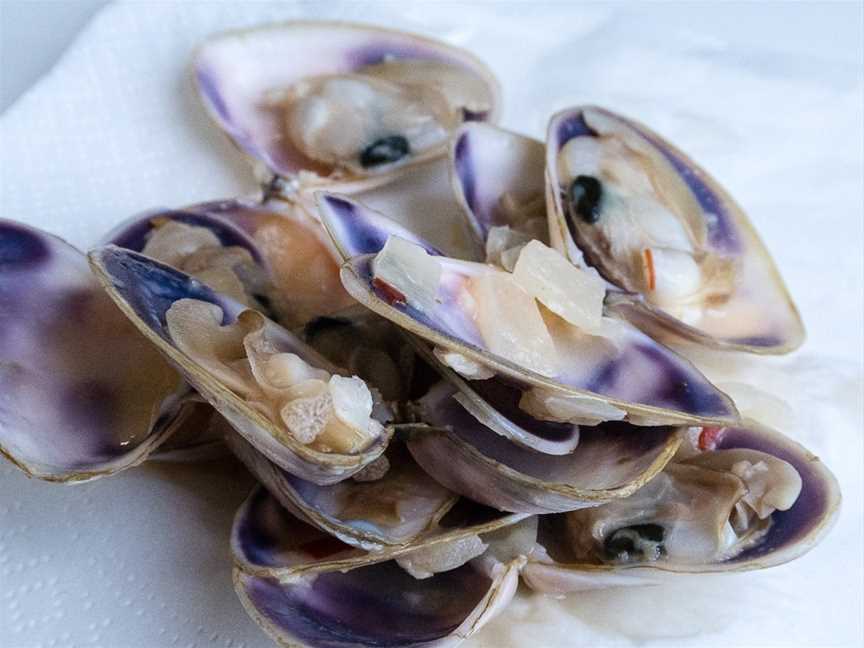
(69, 410)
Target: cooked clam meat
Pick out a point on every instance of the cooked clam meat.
(627, 202)
(574, 294)
(411, 273)
(547, 405)
(703, 510)
(197, 251)
(442, 557)
(522, 316)
(504, 243)
(463, 365)
(329, 412)
(381, 115)
(304, 273)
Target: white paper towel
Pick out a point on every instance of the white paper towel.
(769, 98)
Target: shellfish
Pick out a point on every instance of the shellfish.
(501, 400)
(284, 398)
(770, 501)
(339, 104)
(70, 411)
(453, 305)
(656, 225)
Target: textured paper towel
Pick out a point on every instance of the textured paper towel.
(767, 98)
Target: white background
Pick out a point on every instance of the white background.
(766, 96)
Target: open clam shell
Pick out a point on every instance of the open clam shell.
(740, 302)
(392, 510)
(497, 178)
(792, 532)
(307, 589)
(299, 270)
(642, 379)
(69, 410)
(145, 289)
(269, 540)
(259, 86)
(377, 605)
(194, 438)
(612, 460)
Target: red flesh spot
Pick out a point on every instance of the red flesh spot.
(710, 437)
(648, 256)
(388, 292)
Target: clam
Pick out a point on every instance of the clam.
(236, 247)
(69, 410)
(332, 104)
(540, 282)
(308, 589)
(389, 503)
(612, 461)
(269, 540)
(687, 260)
(289, 402)
(281, 260)
(750, 499)
(467, 309)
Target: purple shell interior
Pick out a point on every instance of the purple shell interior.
(812, 505)
(212, 216)
(358, 230)
(61, 413)
(676, 385)
(21, 248)
(722, 235)
(618, 442)
(488, 166)
(267, 535)
(379, 605)
(467, 178)
(151, 288)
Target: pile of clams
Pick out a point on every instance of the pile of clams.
(452, 355)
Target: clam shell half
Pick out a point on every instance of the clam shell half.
(612, 460)
(268, 540)
(497, 177)
(649, 382)
(392, 510)
(757, 316)
(305, 588)
(235, 73)
(792, 533)
(145, 289)
(70, 411)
